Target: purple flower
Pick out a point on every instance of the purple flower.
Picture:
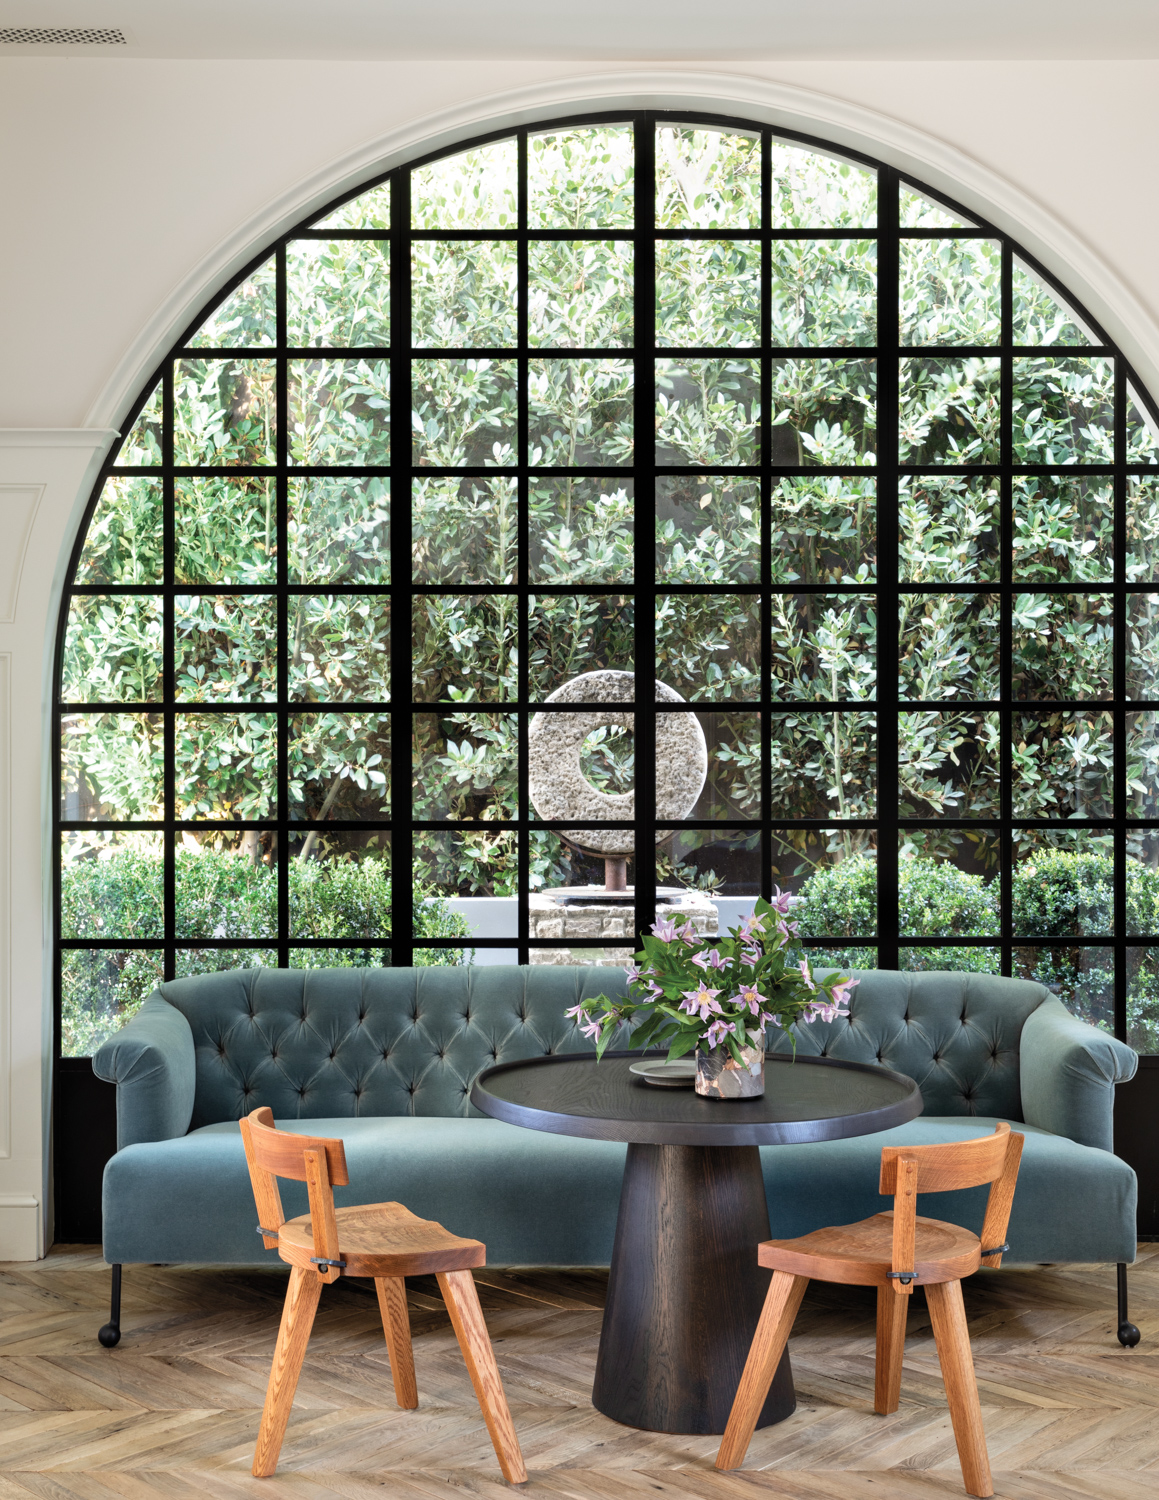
(574, 1013)
(764, 1020)
(664, 929)
(782, 901)
(716, 1031)
(841, 990)
(752, 997)
(805, 974)
(751, 925)
(592, 1029)
(701, 1000)
(688, 932)
(710, 960)
(632, 970)
(752, 956)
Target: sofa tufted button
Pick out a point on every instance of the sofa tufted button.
(385, 1053)
(333, 1055)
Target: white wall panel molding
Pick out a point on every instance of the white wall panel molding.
(932, 158)
(5, 907)
(18, 504)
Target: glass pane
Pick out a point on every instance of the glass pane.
(112, 650)
(224, 411)
(707, 179)
(226, 885)
(708, 293)
(112, 768)
(975, 959)
(226, 766)
(1064, 411)
(812, 191)
(1142, 432)
(340, 648)
(463, 647)
(718, 864)
(464, 294)
(579, 412)
(191, 961)
(823, 293)
(708, 529)
(1082, 978)
(352, 958)
(477, 189)
(339, 530)
(823, 412)
(248, 318)
(950, 291)
(708, 646)
(464, 530)
(708, 411)
(834, 872)
(1062, 765)
(226, 530)
(339, 413)
(949, 411)
(464, 413)
(340, 885)
(225, 648)
(339, 767)
(950, 646)
(949, 529)
(1063, 884)
(465, 765)
(1064, 529)
(581, 530)
(600, 931)
(142, 447)
(569, 634)
(1143, 1000)
(916, 211)
(1062, 645)
(370, 210)
(124, 541)
(470, 862)
(1142, 529)
(733, 786)
(823, 646)
(100, 991)
(1143, 766)
(1142, 646)
(581, 178)
(580, 294)
(111, 885)
(949, 765)
(824, 530)
(947, 888)
(337, 294)
(1040, 316)
(824, 766)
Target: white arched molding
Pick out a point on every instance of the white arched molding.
(1077, 265)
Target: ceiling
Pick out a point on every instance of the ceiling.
(602, 30)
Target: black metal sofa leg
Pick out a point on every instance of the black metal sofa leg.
(110, 1334)
(1129, 1335)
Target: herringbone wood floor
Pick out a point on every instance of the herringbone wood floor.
(173, 1412)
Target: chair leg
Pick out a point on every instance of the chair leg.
(776, 1323)
(892, 1308)
(110, 1335)
(1129, 1335)
(396, 1325)
(458, 1289)
(948, 1315)
(294, 1334)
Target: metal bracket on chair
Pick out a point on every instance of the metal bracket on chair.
(997, 1250)
(905, 1277)
(319, 1260)
(270, 1234)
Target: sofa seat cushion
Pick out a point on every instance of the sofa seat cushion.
(532, 1198)
(1072, 1202)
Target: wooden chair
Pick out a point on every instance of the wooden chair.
(894, 1252)
(383, 1240)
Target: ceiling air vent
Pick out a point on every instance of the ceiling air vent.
(62, 36)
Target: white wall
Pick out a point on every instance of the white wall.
(130, 188)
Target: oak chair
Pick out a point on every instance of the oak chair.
(382, 1240)
(894, 1252)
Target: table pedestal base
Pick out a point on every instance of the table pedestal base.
(686, 1291)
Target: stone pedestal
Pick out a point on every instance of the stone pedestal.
(611, 922)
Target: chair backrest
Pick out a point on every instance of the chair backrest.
(907, 1171)
(318, 1161)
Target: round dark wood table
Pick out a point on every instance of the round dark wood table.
(685, 1290)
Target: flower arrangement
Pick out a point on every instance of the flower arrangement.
(717, 994)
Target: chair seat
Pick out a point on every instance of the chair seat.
(384, 1239)
(862, 1254)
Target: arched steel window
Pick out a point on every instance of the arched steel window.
(717, 405)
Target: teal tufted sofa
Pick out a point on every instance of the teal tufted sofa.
(385, 1058)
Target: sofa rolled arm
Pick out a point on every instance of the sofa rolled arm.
(1068, 1075)
(152, 1063)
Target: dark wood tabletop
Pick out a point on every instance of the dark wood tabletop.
(807, 1099)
